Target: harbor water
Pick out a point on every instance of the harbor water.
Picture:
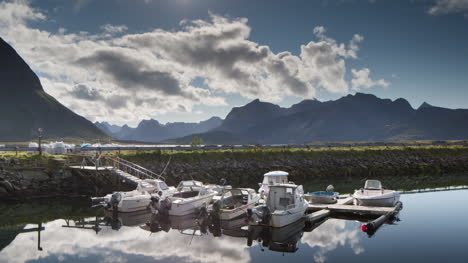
(432, 227)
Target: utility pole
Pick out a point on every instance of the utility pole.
(39, 135)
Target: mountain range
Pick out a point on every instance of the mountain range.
(360, 117)
(25, 106)
(153, 131)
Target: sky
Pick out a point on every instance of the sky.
(122, 61)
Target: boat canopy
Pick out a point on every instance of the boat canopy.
(275, 177)
(373, 185)
(276, 173)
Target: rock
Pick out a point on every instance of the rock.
(7, 186)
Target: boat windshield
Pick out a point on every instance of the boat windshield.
(163, 186)
(190, 183)
(373, 184)
(271, 180)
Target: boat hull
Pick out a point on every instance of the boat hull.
(190, 206)
(280, 220)
(127, 206)
(229, 214)
(382, 200)
(317, 198)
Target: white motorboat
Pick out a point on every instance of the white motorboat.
(138, 199)
(373, 194)
(235, 202)
(272, 178)
(285, 204)
(191, 197)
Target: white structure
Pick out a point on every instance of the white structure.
(373, 194)
(33, 145)
(272, 178)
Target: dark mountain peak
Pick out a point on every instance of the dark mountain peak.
(305, 105)
(149, 123)
(400, 102)
(256, 104)
(365, 97)
(26, 106)
(425, 105)
(14, 70)
(214, 118)
(250, 114)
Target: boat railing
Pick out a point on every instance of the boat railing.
(133, 168)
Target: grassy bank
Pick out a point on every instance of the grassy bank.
(400, 167)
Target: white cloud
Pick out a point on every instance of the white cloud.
(361, 80)
(137, 76)
(443, 7)
(330, 235)
(111, 29)
(123, 245)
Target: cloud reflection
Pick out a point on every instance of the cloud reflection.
(125, 245)
(330, 235)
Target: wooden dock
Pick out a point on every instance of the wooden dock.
(124, 175)
(346, 206)
(91, 168)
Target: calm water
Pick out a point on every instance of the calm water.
(433, 228)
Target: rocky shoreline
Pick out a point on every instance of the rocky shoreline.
(21, 182)
(407, 168)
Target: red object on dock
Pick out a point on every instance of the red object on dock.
(364, 228)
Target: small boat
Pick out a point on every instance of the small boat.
(135, 200)
(323, 197)
(235, 202)
(272, 178)
(191, 197)
(285, 204)
(373, 194)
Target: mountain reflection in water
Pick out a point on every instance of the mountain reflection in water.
(142, 237)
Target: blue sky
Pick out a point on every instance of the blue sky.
(413, 49)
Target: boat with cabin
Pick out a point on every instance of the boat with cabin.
(373, 194)
(285, 204)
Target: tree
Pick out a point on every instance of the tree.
(196, 141)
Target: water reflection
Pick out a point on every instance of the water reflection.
(142, 236)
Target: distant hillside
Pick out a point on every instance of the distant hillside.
(153, 131)
(25, 106)
(359, 117)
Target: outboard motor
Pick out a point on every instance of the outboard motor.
(115, 200)
(330, 188)
(260, 215)
(266, 215)
(164, 206)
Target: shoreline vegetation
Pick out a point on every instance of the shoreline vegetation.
(398, 167)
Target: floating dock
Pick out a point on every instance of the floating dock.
(347, 206)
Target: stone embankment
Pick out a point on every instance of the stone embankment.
(20, 181)
(404, 168)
